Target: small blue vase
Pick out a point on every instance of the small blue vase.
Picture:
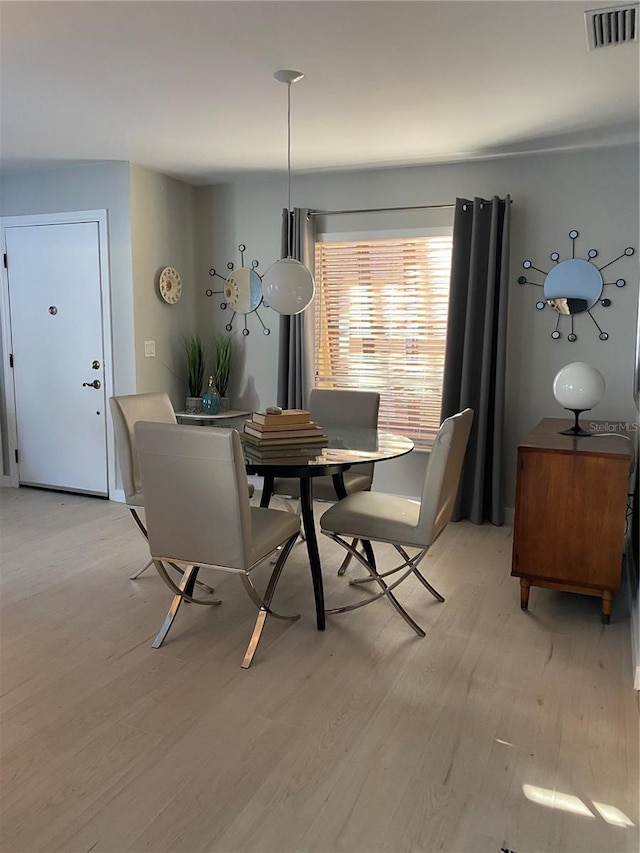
(211, 400)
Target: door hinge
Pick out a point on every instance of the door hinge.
(16, 455)
(5, 262)
(10, 359)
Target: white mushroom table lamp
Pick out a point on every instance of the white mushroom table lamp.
(578, 387)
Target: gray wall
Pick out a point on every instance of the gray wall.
(101, 186)
(151, 225)
(156, 221)
(595, 192)
(162, 235)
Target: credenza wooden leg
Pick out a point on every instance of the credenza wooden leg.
(524, 593)
(607, 601)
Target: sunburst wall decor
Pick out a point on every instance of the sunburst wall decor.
(242, 291)
(574, 286)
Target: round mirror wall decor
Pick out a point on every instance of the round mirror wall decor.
(242, 292)
(574, 286)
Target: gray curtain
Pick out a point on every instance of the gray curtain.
(295, 352)
(475, 360)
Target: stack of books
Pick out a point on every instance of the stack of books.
(290, 433)
(283, 455)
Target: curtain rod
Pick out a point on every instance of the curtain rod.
(378, 209)
(382, 209)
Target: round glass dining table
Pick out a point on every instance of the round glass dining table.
(346, 446)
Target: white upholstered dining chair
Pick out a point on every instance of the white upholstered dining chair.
(199, 516)
(402, 522)
(329, 407)
(126, 411)
(337, 407)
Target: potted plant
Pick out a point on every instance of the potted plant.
(223, 352)
(196, 360)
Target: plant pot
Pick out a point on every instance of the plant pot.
(193, 405)
(224, 404)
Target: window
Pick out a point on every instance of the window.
(381, 323)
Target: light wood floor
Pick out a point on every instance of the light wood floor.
(499, 729)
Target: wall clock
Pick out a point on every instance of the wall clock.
(170, 285)
(242, 291)
(574, 286)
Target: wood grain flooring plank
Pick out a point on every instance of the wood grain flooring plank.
(499, 728)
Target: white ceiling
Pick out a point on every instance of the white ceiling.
(187, 88)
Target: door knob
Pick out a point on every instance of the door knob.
(95, 364)
(95, 384)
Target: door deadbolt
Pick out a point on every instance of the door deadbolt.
(95, 364)
(95, 384)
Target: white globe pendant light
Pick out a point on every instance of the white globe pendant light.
(288, 286)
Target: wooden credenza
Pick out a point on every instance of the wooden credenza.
(571, 500)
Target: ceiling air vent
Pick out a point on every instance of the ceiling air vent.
(613, 26)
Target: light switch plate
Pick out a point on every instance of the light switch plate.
(149, 349)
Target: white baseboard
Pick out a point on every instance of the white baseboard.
(117, 495)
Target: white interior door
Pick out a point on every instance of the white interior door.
(55, 295)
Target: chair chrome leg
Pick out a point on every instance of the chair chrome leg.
(394, 601)
(434, 592)
(386, 588)
(257, 633)
(368, 550)
(347, 559)
(264, 602)
(255, 639)
(189, 573)
(409, 562)
(343, 565)
(166, 577)
(136, 517)
(208, 590)
(137, 574)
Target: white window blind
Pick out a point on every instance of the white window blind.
(381, 324)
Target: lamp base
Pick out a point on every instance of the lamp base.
(576, 429)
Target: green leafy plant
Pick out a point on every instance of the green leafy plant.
(223, 352)
(196, 360)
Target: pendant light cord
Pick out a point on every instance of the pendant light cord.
(288, 76)
(289, 170)
(289, 142)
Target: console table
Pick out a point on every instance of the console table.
(571, 500)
